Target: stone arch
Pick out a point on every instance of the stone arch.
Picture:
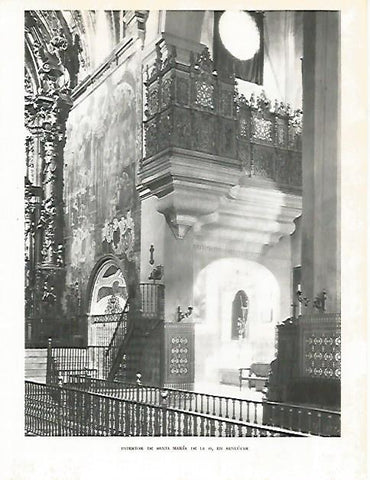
(107, 289)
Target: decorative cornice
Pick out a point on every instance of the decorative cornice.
(107, 67)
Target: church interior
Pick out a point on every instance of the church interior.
(182, 223)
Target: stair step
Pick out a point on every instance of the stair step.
(35, 364)
(35, 353)
(37, 379)
(36, 361)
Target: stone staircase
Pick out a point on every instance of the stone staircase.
(35, 364)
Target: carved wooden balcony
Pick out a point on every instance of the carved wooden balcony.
(190, 107)
(202, 138)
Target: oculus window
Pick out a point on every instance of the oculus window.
(238, 44)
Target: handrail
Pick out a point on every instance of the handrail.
(302, 407)
(300, 418)
(192, 392)
(62, 411)
(120, 351)
(118, 336)
(120, 322)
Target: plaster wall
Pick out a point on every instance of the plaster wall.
(296, 243)
(278, 261)
(153, 226)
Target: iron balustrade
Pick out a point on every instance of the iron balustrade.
(102, 328)
(298, 418)
(65, 361)
(152, 300)
(64, 411)
(119, 335)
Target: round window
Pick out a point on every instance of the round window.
(239, 34)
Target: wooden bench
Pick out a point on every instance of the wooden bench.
(256, 375)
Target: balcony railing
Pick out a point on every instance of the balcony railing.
(152, 300)
(191, 107)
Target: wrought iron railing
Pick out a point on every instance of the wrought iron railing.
(60, 411)
(191, 107)
(298, 418)
(102, 328)
(152, 300)
(114, 355)
(65, 361)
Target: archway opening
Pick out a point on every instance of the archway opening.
(109, 291)
(236, 309)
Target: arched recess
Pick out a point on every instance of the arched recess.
(239, 316)
(216, 289)
(107, 287)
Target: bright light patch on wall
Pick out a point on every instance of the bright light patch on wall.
(239, 34)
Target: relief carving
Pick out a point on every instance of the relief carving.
(119, 235)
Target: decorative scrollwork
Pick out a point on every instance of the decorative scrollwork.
(182, 91)
(166, 91)
(203, 61)
(204, 95)
(202, 103)
(261, 128)
(152, 101)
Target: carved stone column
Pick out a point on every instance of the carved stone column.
(47, 105)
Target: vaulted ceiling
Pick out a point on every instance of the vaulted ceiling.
(65, 43)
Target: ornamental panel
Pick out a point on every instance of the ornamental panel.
(151, 137)
(322, 356)
(179, 348)
(204, 95)
(164, 131)
(244, 155)
(182, 128)
(152, 100)
(295, 169)
(182, 90)
(262, 129)
(244, 128)
(166, 91)
(320, 346)
(283, 166)
(281, 132)
(263, 161)
(203, 133)
(226, 103)
(226, 138)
